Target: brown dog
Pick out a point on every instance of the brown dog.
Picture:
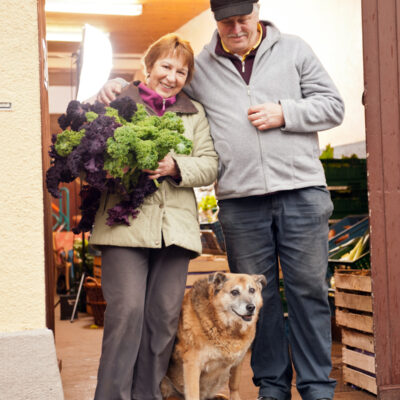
(216, 328)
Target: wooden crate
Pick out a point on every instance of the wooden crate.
(198, 267)
(353, 304)
(204, 265)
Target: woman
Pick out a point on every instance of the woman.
(144, 265)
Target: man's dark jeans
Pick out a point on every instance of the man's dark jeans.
(292, 227)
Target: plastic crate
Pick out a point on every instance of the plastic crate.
(346, 223)
(346, 171)
(352, 202)
(340, 244)
(347, 183)
(67, 303)
(362, 262)
(356, 230)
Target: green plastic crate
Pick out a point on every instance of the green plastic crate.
(346, 171)
(347, 180)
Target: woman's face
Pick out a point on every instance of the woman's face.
(168, 76)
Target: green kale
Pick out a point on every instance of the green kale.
(142, 143)
(113, 112)
(67, 141)
(140, 114)
(172, 122)
(146, 154)
(91, 116)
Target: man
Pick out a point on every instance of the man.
(266, 96)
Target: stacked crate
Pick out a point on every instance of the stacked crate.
(353, 304)
(347, 183)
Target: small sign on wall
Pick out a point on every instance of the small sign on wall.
(5, 106)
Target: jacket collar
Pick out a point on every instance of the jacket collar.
(272, 36)
(222, 50)
(182, 105)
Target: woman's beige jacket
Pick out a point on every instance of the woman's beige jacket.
(169, 214)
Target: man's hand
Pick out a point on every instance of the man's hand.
(166, 167)
(109, 92)
(266, 116)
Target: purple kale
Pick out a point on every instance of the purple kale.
(126, 107)
(90, 202)
(98, 108)
(87, 159)
(120, 213)
(58, 172)
(75, 116)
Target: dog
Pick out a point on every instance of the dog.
(216, 328)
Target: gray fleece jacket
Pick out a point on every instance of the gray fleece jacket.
(285, 71)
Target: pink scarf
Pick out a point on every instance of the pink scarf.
(154, 100)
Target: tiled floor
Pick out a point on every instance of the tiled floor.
(78, 347)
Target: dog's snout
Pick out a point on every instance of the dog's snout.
(250, 308)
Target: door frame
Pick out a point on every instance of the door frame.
(46, 140)
(381, 34)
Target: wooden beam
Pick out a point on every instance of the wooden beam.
(381, 24)
(45, 122)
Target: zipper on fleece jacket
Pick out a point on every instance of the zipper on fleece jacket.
(259, 142)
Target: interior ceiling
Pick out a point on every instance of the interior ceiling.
(131, 34)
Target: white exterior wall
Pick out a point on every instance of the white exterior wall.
(28, 368)
(22, 284)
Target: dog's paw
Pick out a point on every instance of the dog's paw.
(219, 397)
(234, 396)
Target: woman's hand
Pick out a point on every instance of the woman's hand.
(166, 167)
(266, 116)
(109, 91)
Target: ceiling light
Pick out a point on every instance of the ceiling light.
(106, 7)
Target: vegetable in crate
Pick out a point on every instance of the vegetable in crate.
(208, 207)
(358, 250)
(109, 147)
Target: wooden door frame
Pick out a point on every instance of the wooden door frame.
(381, 39)
(46, 140)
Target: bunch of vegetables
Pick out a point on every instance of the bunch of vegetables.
(358, 250)
(109, 147)
(208, 207)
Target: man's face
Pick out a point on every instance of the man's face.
(239, 33)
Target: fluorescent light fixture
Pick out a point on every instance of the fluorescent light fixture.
(95, 61)
(105, 7)
(63, 34)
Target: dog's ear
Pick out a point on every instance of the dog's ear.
(261, 280)
(217, 279)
